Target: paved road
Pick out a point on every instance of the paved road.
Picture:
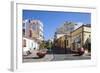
(34, 58)
(61, 57)
(55, 57)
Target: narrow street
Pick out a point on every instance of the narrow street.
(55, 36)
(66, 57)
(54, 57)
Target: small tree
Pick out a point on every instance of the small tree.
(49, 44)
(46, 44)
(42, 45)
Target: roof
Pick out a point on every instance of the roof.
(87, 25)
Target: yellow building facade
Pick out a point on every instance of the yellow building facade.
(78, 38)
(63, 42)
(81, 38)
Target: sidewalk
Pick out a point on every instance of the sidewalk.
(34, 58)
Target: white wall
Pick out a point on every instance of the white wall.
(59, 35)
(31, 44)
(5, 39)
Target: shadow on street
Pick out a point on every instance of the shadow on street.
(61, 50)
(31, 58)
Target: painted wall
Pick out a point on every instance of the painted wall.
(30, 45)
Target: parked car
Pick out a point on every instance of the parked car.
(78, 52)
(81, 51)
(41, 53)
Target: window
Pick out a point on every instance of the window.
(23, 32)
(34, 27)
(23, 24)
(41, 35)
(67, 42)
(24, 43)
(30, 33)
(31, 44)
(29, 21)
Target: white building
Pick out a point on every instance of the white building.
(32, 35)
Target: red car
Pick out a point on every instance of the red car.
(81, 51)
(41, 53)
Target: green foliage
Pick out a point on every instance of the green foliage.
(42, 45)
(46, 44)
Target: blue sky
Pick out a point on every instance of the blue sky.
(52, 19)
